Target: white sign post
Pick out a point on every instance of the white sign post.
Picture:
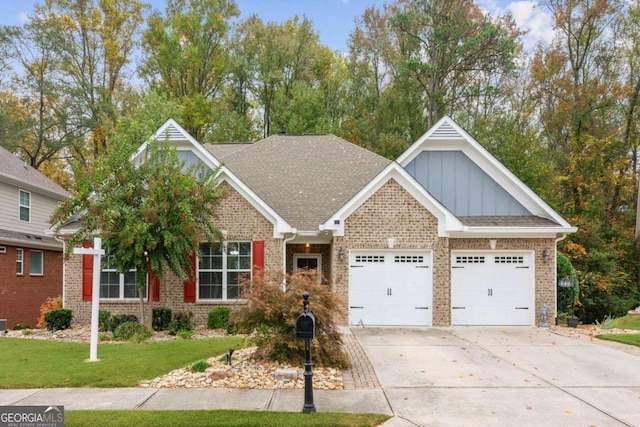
(97, 253)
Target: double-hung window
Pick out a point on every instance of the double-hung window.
(222, 268)
(36, 263)
(19, 261)
(115, 285)
(25, 206)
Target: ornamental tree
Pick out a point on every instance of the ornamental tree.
(150, 211)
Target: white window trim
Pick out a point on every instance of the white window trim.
(20, 261)
(20, 205)
(315, 256)
(224, 273)
(121, 286)
(31, 252)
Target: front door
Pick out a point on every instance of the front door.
(311, 263)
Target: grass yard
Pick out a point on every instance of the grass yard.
(625, 322)
(630, 339)
(30, 363)
(226, 418)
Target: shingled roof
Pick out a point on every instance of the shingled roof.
(15, 171)
(304, 178)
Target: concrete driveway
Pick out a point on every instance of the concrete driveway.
(501, 376)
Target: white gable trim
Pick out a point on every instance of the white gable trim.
(447, 135)
(174, 134)
(280, 226)
(447, 222)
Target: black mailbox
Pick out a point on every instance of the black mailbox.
(305, 326)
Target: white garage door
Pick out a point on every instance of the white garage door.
(390, 288)
(492, 288)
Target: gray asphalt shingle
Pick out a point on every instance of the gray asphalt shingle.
(305, 178)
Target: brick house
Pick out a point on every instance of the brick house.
(445, 235)
(30, 259)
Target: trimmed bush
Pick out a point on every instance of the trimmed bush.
(58, 319)
(21, 326)
(132, 331)
(161, 318)
(49, 304)
(103, 320)
(271, 313)
(118, 319)
(181, 321)
(218, 318)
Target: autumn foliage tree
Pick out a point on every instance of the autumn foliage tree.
(151, 213)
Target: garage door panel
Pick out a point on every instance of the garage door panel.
(390, 288)
(490, 288)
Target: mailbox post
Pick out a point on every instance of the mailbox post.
(305, 329)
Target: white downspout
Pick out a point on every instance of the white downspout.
(64, 268)
(555, 272)
(284, 257)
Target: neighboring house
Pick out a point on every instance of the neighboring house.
(445, 235)
(30, 260)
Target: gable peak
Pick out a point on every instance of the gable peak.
(446, 128)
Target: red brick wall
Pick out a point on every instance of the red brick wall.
(22, 295)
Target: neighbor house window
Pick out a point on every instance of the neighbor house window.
(222, 268)
(36, 261)
(19, 261)
(115, 285)
(25, 206)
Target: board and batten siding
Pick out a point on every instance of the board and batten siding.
(41, 209)
(462, 186)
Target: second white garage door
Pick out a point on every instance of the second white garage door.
(492, 288)
(390, 288)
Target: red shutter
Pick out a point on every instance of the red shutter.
(190, 283)
(87, 273)
(258, 258)
(155, 283)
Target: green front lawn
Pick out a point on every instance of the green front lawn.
(226, 418)
(627, 322)
(30, 363)
(630, 339)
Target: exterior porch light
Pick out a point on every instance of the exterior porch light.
(341, 254)
(545, 255)
(492, 243)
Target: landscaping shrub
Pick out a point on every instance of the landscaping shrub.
(271, 314)
(218, 318)
(118, 319)
(103, 320)
(181, 321)
(132, 331)
(21, 326)
(49, 304)
(58, 319)
(200, 366)
(161, 318)
(185, 334)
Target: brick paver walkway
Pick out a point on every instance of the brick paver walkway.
(361, 374)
